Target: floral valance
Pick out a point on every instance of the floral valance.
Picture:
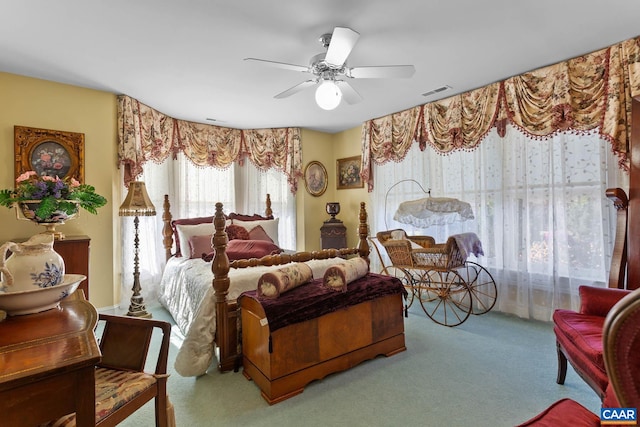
(578, 95)
(145, 134)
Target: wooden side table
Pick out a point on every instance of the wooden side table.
(75, 252)
(47, 365)
(333, 234)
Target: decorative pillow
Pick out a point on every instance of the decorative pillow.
(245, 249)
(270, 226)
(273, 283)
(398, 235)
(236, 232)
(187, 221)
(338, 276)
(184, 232)
(200, 245)
(258, 233)
(401, 235)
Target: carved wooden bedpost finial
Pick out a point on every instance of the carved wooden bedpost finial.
(167, 231)
(618, 269)
(268, 212)
(363, 233)
(220, 265)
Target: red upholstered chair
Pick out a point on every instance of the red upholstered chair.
(579, 334)
(621, 343)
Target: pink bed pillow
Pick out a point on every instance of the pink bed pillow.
(258, 233)
(236, 232)
(200, 245)
(270, 226)
(186, 221)
(244, 249)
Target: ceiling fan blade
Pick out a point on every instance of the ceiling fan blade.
(349, 94)
(342, 42)
(295, 89)
(383, 71)
(292, 67)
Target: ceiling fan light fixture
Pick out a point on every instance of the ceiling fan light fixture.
(328, 95)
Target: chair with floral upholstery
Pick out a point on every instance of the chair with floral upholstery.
(122, 385)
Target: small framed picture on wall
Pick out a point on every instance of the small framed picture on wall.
(348, 173)
(315, 178)
(49, 152)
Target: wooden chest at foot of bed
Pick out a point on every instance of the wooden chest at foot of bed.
(284, 361)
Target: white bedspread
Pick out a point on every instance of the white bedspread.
(187, 293)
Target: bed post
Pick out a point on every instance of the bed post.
(226, 333)
(167, 231)
(618, 269)
(268, 212)
(363, 233)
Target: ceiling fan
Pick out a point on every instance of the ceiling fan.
(329, 69)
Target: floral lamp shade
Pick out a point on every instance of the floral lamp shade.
(137, 202)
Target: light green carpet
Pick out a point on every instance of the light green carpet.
(493, 370)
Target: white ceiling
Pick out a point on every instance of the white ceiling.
(185, 58)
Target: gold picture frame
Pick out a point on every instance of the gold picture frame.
(315, 178)
(348, 173)
(49, 152)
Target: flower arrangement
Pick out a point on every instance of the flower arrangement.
(52, 196)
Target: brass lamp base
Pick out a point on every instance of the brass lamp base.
(137, 308)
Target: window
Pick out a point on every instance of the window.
(539, 205)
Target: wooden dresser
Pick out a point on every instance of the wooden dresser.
(47, 365)
(75, 252)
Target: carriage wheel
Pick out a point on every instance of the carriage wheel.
(482, 286)
(445, 297)
(405, 278)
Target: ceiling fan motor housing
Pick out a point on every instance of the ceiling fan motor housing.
(320, 68)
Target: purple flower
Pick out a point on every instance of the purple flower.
(41, 191)
(57, 189)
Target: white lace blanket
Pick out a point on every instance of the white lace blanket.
(186, 291)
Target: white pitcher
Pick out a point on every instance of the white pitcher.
(33, 264)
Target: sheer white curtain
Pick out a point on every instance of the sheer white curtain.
(193, 191)
(540, 211)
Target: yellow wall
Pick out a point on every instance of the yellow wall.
(310, 209)
(326, 148)
(41, 104)
(347, 144)
(37, 103)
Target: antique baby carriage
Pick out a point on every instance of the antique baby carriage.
(448, 286)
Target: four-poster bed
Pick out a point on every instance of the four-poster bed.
(225, 281)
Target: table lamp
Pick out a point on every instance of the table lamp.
(137, 203)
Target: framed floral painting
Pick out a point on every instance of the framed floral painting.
(348, 173)
(49, 152)
(315, 178)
